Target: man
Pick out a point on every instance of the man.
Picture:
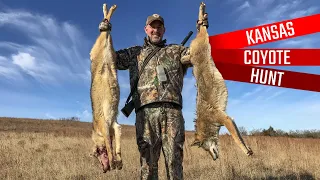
(158, 100)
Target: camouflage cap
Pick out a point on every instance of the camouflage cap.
(154, 17)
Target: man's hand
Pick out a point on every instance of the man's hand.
(203, 22)
(105, 25)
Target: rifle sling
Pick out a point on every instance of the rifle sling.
(145, 62)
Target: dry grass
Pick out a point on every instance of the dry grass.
(34, 149)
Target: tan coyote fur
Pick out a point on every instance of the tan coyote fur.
(212, 96)
(105, 99)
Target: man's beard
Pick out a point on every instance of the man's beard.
(155, 39)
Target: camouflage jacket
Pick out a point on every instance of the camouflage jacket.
(150, 89)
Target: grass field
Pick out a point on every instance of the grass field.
(47, 149)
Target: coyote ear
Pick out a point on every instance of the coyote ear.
(93, 154)
(196, 143)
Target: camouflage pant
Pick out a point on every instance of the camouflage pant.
(160, 126)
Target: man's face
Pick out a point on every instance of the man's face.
(155, 31)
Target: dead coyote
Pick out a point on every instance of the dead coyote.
(211, 96)
(105, 99)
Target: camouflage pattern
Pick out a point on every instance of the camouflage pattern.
(160, 125)
(149, 88)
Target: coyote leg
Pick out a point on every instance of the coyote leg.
(107, 14)
(98, 141)
(233, 129)
(117, 135)
(108, 145)
(202, 10)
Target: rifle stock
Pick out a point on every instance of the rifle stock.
(128, 108)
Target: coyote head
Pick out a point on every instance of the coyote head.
(101, 154)
(209, 142)
(210, 145)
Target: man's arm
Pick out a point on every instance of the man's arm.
(125, 57)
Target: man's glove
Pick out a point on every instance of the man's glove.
(203, 22)
(105, 25)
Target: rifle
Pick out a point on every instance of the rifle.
(129, 106)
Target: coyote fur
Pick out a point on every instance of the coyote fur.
(212, 95)
(105, 99)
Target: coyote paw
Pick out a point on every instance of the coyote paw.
(250, 152)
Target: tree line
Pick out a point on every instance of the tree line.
(314, 133)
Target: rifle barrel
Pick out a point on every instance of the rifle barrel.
(186, 38)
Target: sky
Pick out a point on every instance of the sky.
(45, 65)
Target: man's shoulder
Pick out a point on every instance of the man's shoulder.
(176, 47)
(135, 48)
(131, 49)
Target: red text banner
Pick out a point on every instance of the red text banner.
(240, 65)
(266, 33)
(268, 57)
(268, 76)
